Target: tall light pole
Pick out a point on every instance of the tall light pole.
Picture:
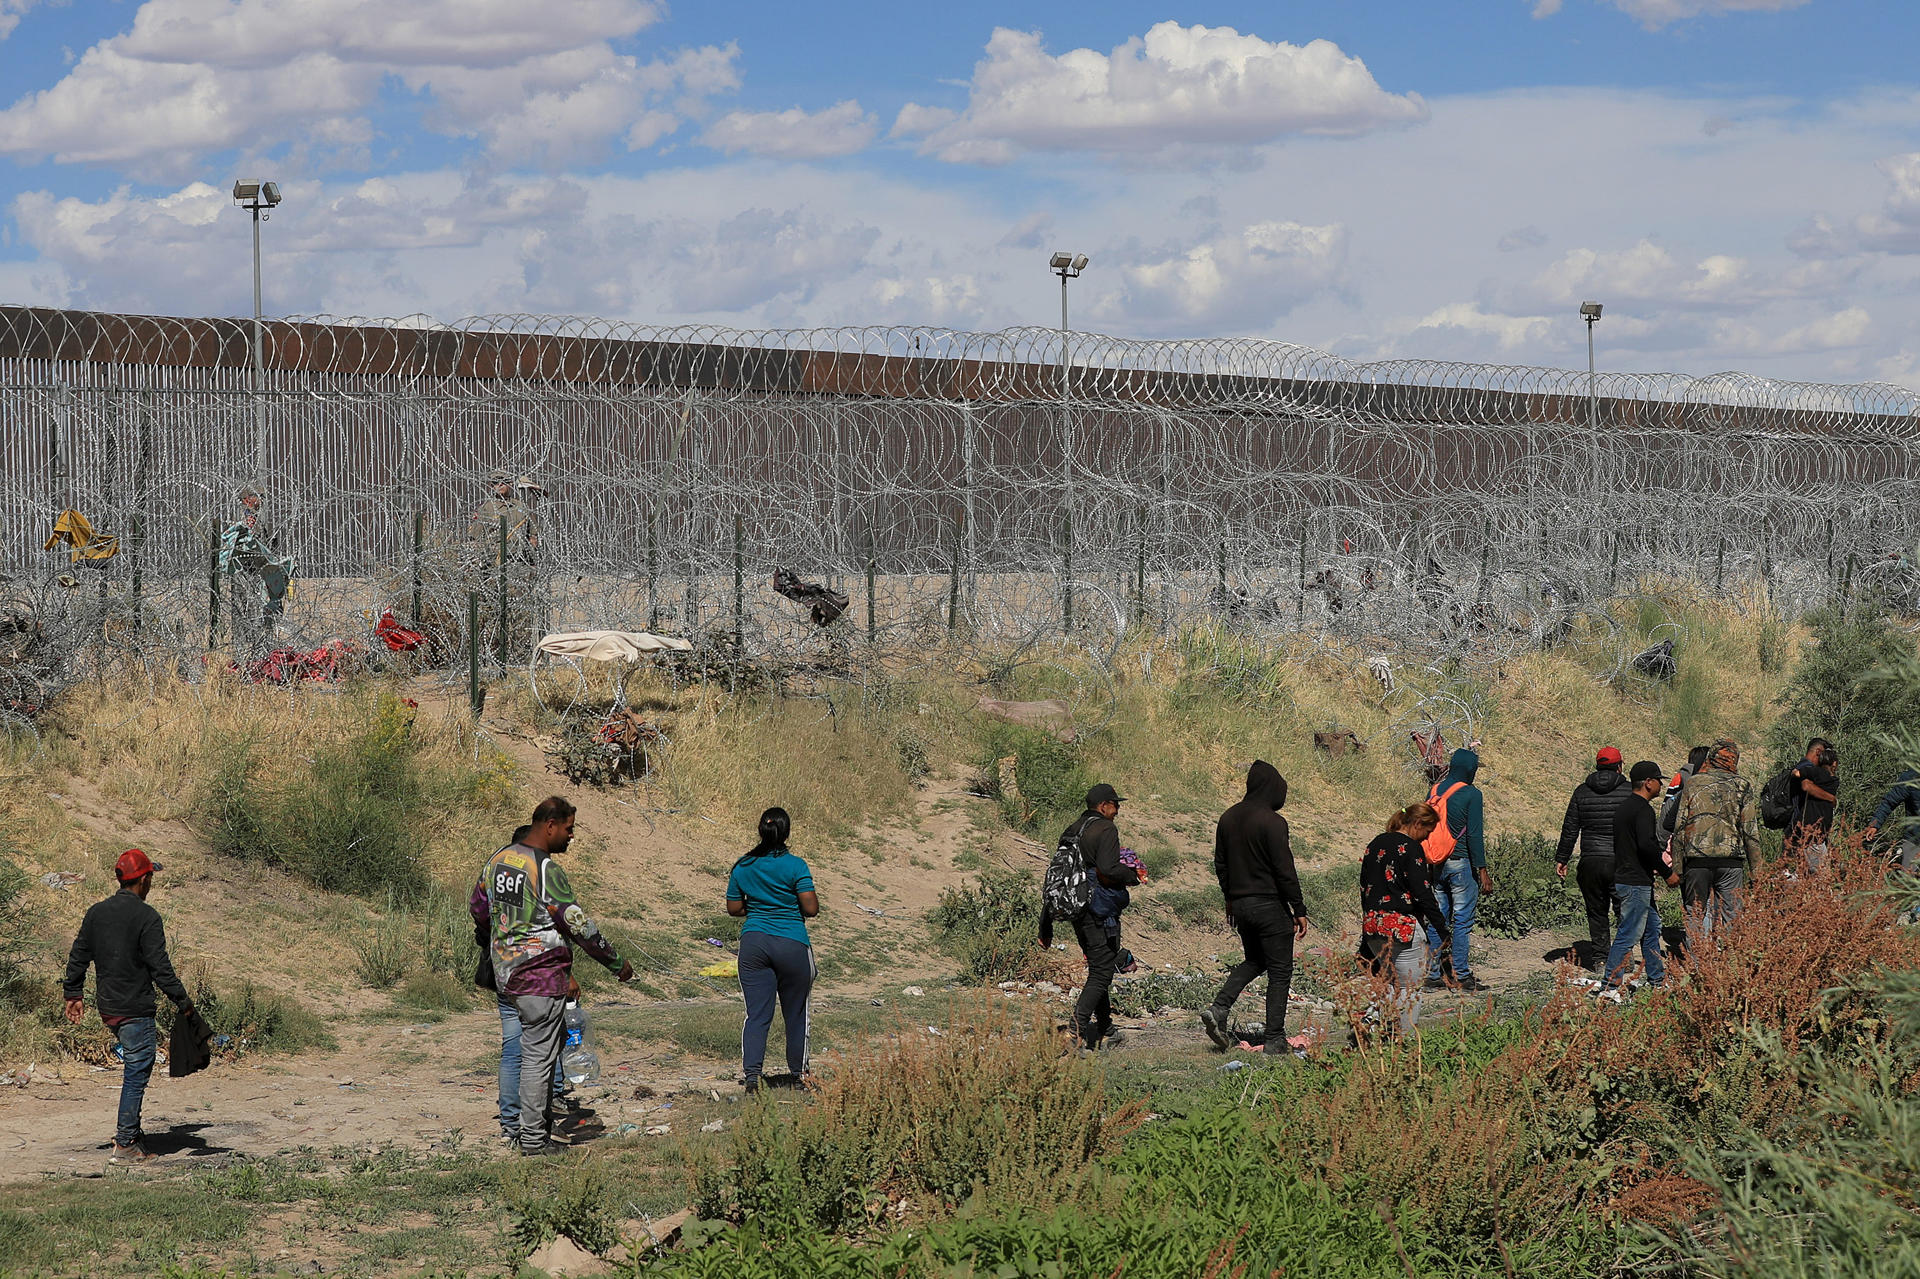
(258, 196)
(1067, 266)
(1590, 312)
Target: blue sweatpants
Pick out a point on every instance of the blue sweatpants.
(774, 966)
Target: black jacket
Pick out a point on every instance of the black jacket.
(1100, 849)
(190, 1049)
(1590, 815)
(1252, 851)
(1643, 860)
(124, 940)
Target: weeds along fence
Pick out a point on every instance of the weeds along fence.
(991, 489)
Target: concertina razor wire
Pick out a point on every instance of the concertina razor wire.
(1016, 492)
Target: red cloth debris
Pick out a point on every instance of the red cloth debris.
(397, 637)
(285, 665)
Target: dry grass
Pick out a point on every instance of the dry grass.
(913, 1123)
(148, 745)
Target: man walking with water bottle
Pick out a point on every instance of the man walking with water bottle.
(525, 900)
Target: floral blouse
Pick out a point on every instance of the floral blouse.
(1394, 893)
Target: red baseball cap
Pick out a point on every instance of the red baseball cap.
(132, 865)
(1608, 755)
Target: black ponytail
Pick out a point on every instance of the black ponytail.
(775, 827)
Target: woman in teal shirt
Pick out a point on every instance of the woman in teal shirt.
(772, 890)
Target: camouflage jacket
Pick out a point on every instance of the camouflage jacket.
(1716, 819)
(524, 901)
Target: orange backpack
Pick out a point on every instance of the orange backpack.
(1440, 845)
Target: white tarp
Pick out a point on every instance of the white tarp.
(611, 646)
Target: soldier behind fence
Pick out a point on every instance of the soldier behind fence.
(250, 545)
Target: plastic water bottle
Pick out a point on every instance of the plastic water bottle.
(578, 1062)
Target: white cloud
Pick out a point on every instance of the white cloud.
(1523, 237)
(1317, 244)
(841, 129)
(1508, 333)
(197, 76)
(1841, 330)
(1895, 228)
(11, 11)
(1242, 280)
(1655, 14)
(1175, 86)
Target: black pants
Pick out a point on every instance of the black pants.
(1093, 1013)
(1595, 877)
(1266, 940)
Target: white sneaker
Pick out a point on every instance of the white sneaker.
(1613, 995)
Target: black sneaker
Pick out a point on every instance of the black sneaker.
(1436, 983)
(1215, 1021)
(1471, 984)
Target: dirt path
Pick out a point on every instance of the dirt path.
(414, 1087)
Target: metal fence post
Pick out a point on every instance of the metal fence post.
(500, 577)
(419, 546)
(653, 571)
(953, 586)
(739, 583)
(474, 698)
(1066, 573)
(213, 596)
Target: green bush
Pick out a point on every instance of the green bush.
(15, 934)
(1140, 996)
(252, 1019)
(1848, 688)
(1050, 776)
(1842, 1200)
(1527, 896)
(579, 1200)
(990, 924)
(354, 820)
(994, 1109)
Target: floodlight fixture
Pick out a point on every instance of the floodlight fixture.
(257, 196)
(1590, 312)
(1080, 263)
(1060, 261)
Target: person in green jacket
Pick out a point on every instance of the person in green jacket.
(1459, 880)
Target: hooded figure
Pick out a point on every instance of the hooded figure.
(1253, 858)
(1462, 877)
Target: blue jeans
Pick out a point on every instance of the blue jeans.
(1638, 920)
(139, 1039)
(1458, 889)
(510, 1069)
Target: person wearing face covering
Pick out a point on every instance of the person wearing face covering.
(1253, 858)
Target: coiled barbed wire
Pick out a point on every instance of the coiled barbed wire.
(1000, 491)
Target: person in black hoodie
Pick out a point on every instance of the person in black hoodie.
(1100, 849)
(1253, 858)
(1589, 822)
(1641, 861)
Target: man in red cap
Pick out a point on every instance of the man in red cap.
(124, 940)
(1589, 822)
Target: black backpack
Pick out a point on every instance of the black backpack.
(1776, 800)
(1068, 885)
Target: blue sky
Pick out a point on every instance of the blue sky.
(1738, 179)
